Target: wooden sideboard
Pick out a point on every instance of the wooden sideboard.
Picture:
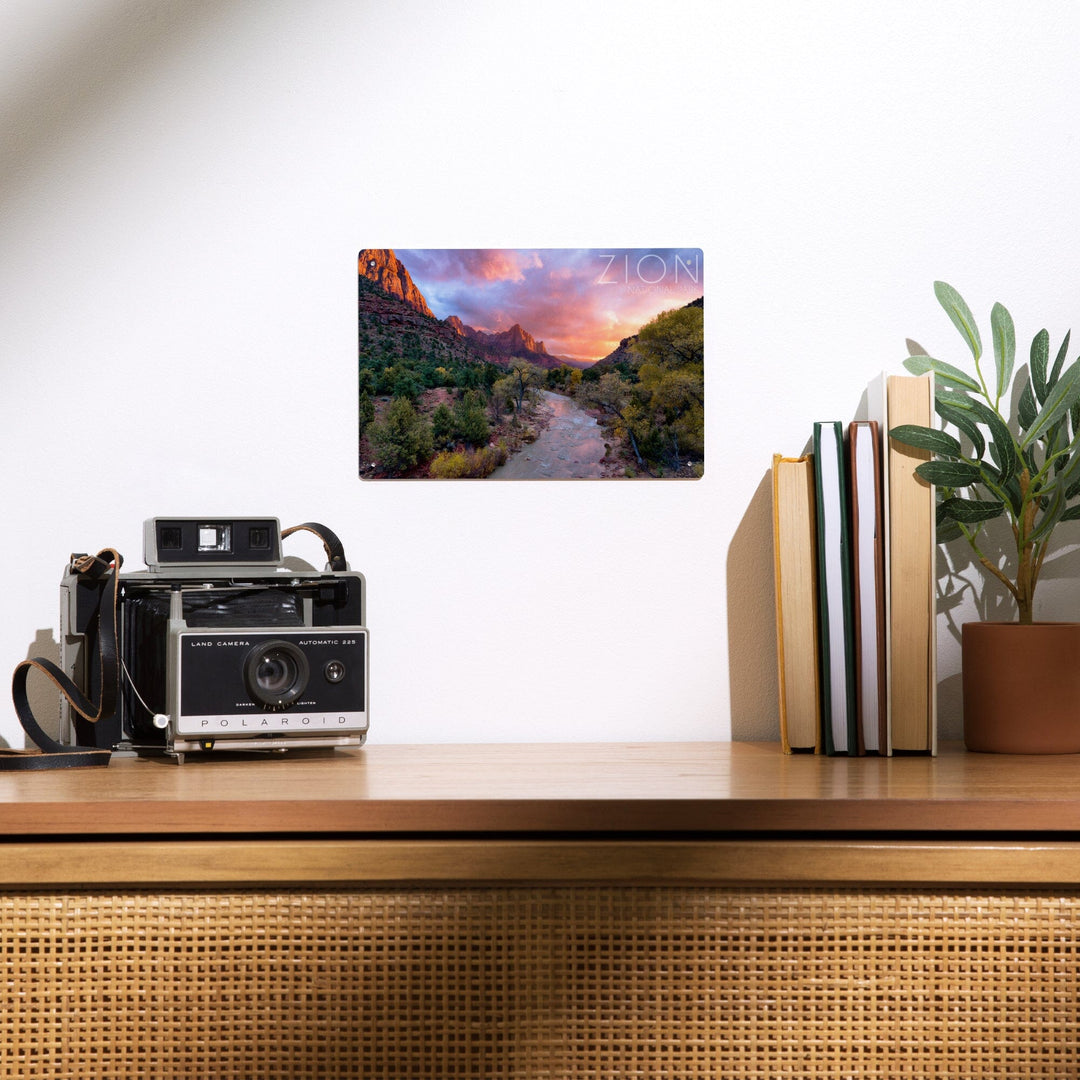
(660, 909)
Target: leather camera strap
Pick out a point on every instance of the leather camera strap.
(50, 753)
(335, 551)
(54, 755)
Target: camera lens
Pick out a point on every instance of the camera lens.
(276, 673)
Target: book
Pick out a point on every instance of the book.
(835, 624)
(911, 562)
(794, 560)
(868, 583)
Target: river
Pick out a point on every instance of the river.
(569, 448)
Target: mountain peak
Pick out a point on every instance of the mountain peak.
(383, 267)
(518, 338)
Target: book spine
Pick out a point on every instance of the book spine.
(836, 631)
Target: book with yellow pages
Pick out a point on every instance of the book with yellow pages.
(794, 546)
(911, 556)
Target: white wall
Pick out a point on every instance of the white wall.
(183, 190)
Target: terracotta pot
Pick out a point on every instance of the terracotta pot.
(1022, 687)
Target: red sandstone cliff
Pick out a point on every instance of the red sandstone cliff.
(383, 267)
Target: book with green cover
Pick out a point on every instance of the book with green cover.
(839, 714)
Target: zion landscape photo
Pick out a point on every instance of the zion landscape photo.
(531, 364)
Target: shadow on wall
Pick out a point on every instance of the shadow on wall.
(102, 54)
(42, 695)
(964, 593)
(755, 708)
(967, 593)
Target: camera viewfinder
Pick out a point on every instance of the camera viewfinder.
(215, 538)
(172, 538)
(259, 538)
(188, 543)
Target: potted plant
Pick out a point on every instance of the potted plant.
(1021, 680)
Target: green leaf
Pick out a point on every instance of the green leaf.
(961, 316)
(1002, 447)
(951, 474)
(1060, 444)
(946, 373)
(1040, 357)
(1068, 479)
(957, 398)
(1055, 440)
(926, 438)
(948, 531)
(1049, 520)
(1001, 326)
(991, 477)
(1012, 490)
(1060, 361)
(1027, 410)
(1072, 514)
(1027, 455)
(961, 419)
(1059, 399)
(971, 511)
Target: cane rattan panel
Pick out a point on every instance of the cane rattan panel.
(540, 982)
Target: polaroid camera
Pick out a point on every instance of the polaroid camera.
(219, 645)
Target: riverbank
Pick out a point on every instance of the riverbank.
(570, 446)
(552, 438)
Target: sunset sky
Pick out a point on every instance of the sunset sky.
(579, 301)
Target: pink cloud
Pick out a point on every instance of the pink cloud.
(473, 266)
(579, 302)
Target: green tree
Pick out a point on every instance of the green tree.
(366, 410)
(558, 378)
(406, 385)
(401, 439)
(470, 421)
(614, 396)
(442, 425)
(526, 379)
(671, 382)
(384, 381)
(674, 338)
(502, 397)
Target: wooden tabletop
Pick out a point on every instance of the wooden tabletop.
(644, 788)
